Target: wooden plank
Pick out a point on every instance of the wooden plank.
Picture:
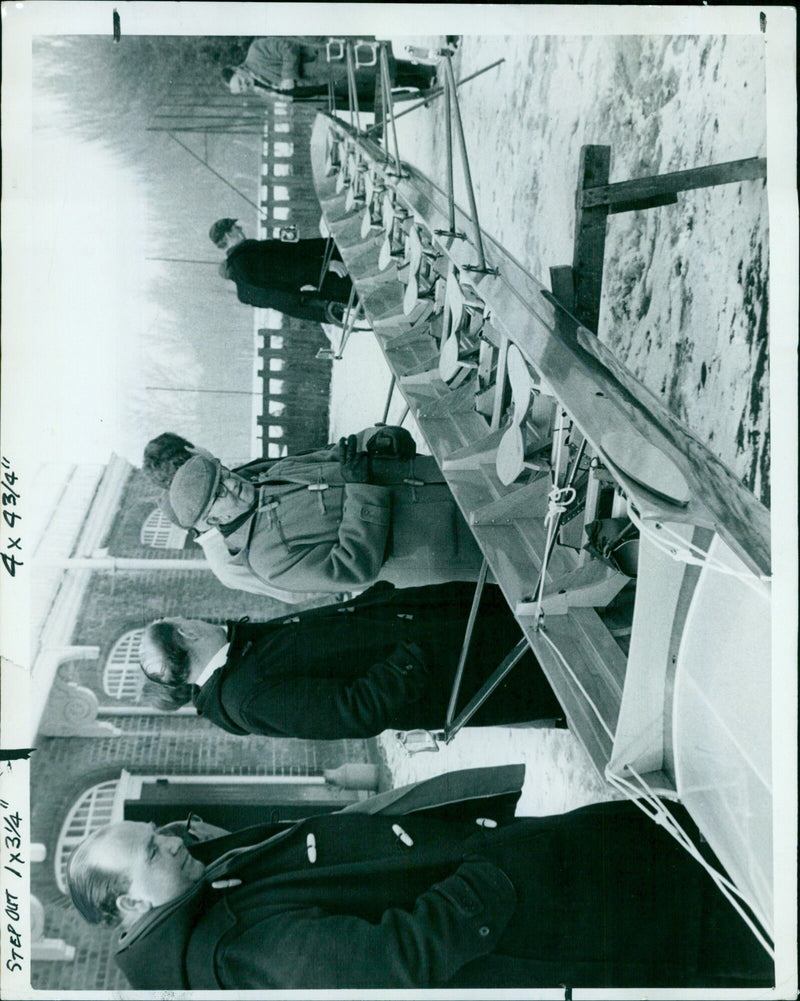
(640, 204)
(475, 454)
(590, 585)
(579, 641)
(599, 194)
(590, 236)
(521, 502)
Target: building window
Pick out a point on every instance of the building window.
(159, 532)
(92, 810)
(122, 676)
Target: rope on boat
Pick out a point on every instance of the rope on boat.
(678, 549)
(556, 498)
(665, 819)
(559, 499)
(661, 815)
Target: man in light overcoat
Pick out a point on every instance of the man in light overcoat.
(334, 519)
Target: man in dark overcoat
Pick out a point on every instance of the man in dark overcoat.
(417, 891)
(385, 660)
(275, 274)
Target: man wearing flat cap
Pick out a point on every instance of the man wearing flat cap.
(338, 518)
(275, 274)
(163, 456)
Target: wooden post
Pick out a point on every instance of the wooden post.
(590, 236)
(562, 282)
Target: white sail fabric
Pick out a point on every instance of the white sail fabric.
(722, 724)
(695, 720)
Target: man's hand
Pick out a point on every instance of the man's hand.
(334, 313)
(392, 443)
(337, 268)
(201, 830)
(353, 464)
(286, 84)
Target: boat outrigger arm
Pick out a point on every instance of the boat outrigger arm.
(583, 491)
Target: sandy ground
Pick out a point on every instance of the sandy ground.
(685, 286)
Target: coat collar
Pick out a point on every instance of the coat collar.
(208, 703)
(152, 953)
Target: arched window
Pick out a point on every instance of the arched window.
(93, 809)
(159, 532)
(122, 676)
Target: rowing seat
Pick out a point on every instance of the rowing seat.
(356, 195)
(396, 223)
(422, 276)
(461, 337)
(373, 196)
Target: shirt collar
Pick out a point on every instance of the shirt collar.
(217, 661)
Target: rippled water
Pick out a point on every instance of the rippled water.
(685, 286)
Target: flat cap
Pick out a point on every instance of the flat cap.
(193, 489)
(166, 508)
(220, 230)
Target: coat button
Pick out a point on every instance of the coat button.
(311, 848)
(402, 835)
(483, 931)
(225, 884)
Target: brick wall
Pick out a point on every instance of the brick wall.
(139, 499)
